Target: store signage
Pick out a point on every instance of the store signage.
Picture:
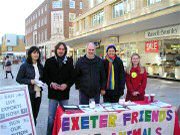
(166, 31)
(152, 46)
(15, 111)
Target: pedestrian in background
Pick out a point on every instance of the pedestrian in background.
(90, 76)
(7, 66)
(115, 76)
(136, 79)
(31, 74)
(58, 74)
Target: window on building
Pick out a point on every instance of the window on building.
(35, 26)
(57, 4)
(36, 15)
(71, 30)
(129, 5)
(45, 19)
(151, 2)
(98, 18)
(72, 16)
(118, 10)
(45, 34)
(39, 23)
(42, 10)
(81, 5)
(39, 12)
(39, 37)
(42, 22)
(45, 8)
(42, 36)
(71, 3)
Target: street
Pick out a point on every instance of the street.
(167, 91)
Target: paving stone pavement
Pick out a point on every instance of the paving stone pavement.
(167, 91)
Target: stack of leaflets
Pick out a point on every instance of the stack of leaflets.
(70, 107)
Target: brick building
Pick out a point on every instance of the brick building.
(50, 23)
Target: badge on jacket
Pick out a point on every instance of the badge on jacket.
(133, 74)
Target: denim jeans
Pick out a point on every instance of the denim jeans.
(53, 104)
(84, 100)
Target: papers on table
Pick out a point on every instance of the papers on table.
(70, 107)
(113, 107)
(142, 107)
(98, 108)
(125, 106)
(160, 104)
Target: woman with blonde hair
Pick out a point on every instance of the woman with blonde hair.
(136, 79)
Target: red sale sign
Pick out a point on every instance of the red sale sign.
(152, 46)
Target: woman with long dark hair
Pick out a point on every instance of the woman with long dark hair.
(30, 73)
(136, 79)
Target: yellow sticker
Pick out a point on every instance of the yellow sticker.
(133, 74)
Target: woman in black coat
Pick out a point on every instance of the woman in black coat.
(115, 76)
(30, 73)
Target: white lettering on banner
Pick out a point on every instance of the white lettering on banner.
(141, 122)
(166, 31)
(15, 111)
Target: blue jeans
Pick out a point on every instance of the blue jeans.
(51, 113)
(84, 100)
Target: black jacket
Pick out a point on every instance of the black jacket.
(90, 76)
(119, 75)
(26, 73)
(54, 73)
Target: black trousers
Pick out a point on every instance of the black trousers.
(111, 98)
(35, 104)
(7, 72)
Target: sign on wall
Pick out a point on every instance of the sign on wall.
(152, 46)
(166, 31)
(15, 111)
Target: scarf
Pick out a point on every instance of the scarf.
(110, 80)
(61, 60)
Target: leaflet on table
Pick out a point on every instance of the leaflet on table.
(98, 108)
(113, 107)
(161, 104)
(70, 107)
(141, 107)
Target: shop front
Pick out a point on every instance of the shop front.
(159, 50)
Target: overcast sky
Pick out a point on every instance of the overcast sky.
(13, 14)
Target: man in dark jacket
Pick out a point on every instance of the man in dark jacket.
(58, 74)
(90, 76)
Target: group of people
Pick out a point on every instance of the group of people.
(92, 76)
